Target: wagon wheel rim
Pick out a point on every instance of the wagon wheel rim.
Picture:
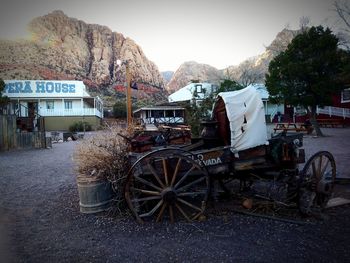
(167, 184)
(318, 178)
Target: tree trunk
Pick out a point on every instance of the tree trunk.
(313, 120)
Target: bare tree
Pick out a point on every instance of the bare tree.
(304, 23)
(230, 73)
(245, 73)
(249, 73)
(342, 8)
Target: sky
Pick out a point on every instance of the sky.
(215, 32)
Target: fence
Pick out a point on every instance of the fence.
(334, 111)
(11, 139)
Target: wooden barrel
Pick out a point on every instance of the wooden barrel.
(95, 194)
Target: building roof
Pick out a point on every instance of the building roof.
(186, 93)
(159, 108)
(264, 94)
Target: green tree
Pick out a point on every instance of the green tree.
(307, 72)
(229, 85)
(119, 109)
(199, 109)
(4, 100)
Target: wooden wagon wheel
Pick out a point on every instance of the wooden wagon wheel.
(167, 184)
(317, 182)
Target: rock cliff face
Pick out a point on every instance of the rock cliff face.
(250, 70)
(167, 75)
(192, 71)
(66, 48)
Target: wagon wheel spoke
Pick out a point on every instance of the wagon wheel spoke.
(165, 170)
(314, 171)
(153, 210)
(161, 212)
(324, 168)
(191, 184)
(190, 205)
(155, 174)
(147, 183)
(176, 172)
(319, 167)
(318, 177)
(185, 176)
(146, 199)
(145, 191)
(166, 184)
(183, 212)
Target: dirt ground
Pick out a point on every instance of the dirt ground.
(40, 220)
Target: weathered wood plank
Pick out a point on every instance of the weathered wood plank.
(11, 139)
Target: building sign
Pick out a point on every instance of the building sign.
(44, 88)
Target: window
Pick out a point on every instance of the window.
(68, 104)
(179, 113)
(345, 95)
(199, 88)
(214, 88)
(157, 113)
(50, 105)
(169, 113)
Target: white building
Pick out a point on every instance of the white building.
(61, 103)
(203, 90)
(197, 91)
(270, 108)
(155, 115)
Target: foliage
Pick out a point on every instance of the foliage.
(307, 73)
(104, 155)
(4, 100)
(197, 110)
(119, 109)
(80, 126)
(201, 108)
(229, 85)
(342, 8)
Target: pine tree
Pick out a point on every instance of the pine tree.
(308, 72)
(4, 100)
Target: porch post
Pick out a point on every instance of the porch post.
(94, 106)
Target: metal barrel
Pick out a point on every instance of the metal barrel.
(95, 194)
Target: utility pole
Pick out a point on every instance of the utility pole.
(128, 96)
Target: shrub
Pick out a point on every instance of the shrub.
(79, 126)
(105, 155)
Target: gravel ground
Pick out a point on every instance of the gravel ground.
(40, 221)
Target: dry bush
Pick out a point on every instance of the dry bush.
(105, 155)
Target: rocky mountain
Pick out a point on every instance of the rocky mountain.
(192, 70)
(251, 70)
(67, 48)
(167, 75)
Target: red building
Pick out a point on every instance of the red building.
(339, 110)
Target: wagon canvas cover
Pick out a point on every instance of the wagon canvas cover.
(246, 116)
